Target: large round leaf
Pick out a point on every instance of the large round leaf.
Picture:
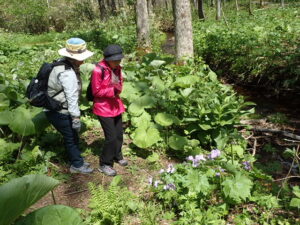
(19, 194)
(144, 138)
(141, 121)
(147, 101)
(177, 142)
(4, 102)
(52, 215)
(27, 121)
(135, 109)
(165, 119)
(158, 84)
(186, 81)
(5, 117)
(22, 123)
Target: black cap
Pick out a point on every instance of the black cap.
(113, 52)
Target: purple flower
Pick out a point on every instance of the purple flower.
(150, 180)
(161, 171)
(247, 165)
(218, 174)
(214, 154)
(222, 170)
(170, 169)
(170, 187)
(156, 183)
(196, 161)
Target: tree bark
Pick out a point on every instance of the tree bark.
(218, 10)
(183, 30)
(142, 21)
(250, 8)
(282, 3)
(236, 5)
(201, 10)
(102, 9)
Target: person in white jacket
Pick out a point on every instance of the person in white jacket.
(67, 121)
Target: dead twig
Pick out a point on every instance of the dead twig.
(286, 178)
(254, 147)
(276, 131)
(76, 192)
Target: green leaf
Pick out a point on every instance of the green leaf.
(144, 138)
(296, 191)
(295, 202)
(52, 215)
(135, 109)
(186, 81)
(177, 142)
(19, 194)
(186, 92)
(157, 63)
(237, 188)
(154, 157)
(4, 102)
(141, 121)
(158, 84)
(5, 117)
(165, 119)
(7, 149)
(197, 182)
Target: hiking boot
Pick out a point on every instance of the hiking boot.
(83, 169)
(107, 170)
(122, 162)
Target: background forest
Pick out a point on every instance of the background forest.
(212, 121)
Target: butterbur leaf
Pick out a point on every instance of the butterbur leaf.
(135, 109)
(296, 191)
(165, 119)
(237, 188)
(19, 194)
(196, 182)
(144, 138)
(22, 123)
(5, 117)
(142, 120)
(177, 142)
(52, 215)
(4, 102)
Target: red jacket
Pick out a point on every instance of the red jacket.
(107, 102)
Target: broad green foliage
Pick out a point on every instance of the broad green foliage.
(238, 188)
(295, 202)
(261, 49)
(20, 193)
(181, 103)
(52, 215)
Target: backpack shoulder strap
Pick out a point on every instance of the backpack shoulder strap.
(102, 70)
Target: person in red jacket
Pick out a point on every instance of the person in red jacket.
(107, 84)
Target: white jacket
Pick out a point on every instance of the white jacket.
(66, 80)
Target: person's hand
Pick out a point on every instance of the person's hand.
(76, 124)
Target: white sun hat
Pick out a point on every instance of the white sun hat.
(75, 49)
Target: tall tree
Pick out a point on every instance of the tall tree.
(282, 3)
(236, 5)
(102, 9)
(250, 8)
(201, 10)
(142, 21)
(219, 10)
(183, 29)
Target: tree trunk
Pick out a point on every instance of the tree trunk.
(212, 3)
(183, 30)
(142, 21)
(250, 8)
(282, 3)
(112, 7)
(236, 5)
(261, 3)
(219, 10)
(102, 9)
(201, 10)
(150, 8)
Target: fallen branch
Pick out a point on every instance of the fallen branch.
(284, 133)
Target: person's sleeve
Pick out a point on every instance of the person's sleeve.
(69, 82)
(98, 87)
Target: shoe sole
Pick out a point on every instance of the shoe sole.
(76, 171)
(111, 175)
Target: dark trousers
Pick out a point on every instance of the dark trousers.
(63, 124)
(113, 132)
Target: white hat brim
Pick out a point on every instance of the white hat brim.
(78, 56)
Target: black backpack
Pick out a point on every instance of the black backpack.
(89, 94)
(36, 91)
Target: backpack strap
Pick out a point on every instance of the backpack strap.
(102, 70)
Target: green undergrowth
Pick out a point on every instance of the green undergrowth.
(262, 49)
